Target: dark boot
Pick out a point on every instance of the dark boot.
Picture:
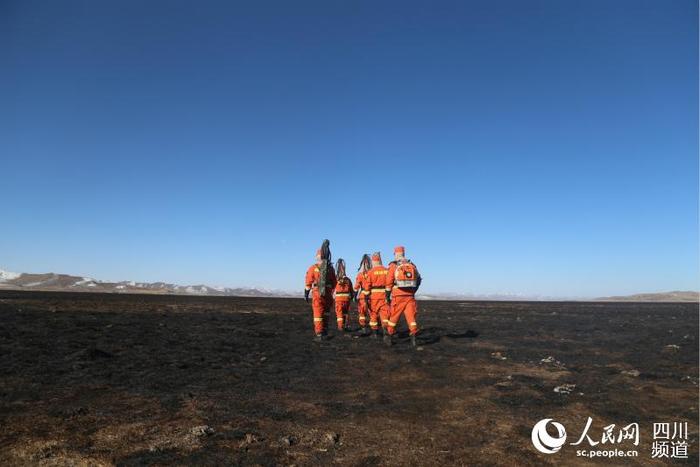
(387, 339)
(374, 334)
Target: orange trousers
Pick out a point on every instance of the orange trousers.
(362, 311)
(378, 311)
(341, 312)
(321, 306)
(407, 305)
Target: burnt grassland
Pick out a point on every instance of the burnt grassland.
(100, 379)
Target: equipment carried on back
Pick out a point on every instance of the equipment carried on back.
(323, 267)
(341, 276)
(340, 269)
(365, 263)
(406, 275)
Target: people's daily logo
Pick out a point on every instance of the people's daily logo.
(613, 441)
(543, 441)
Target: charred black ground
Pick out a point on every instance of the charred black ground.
(141, 379)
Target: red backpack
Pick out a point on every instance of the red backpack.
(406, 275)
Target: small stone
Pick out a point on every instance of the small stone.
(498, 356)
(332, 438)
(287, 440)
(671, 348)
(690, 379)
(565, 388)
(552, 361)
(202, 430)
(633, 373)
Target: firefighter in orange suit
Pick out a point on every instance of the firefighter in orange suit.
(403, 280)
(378, 306)
(362, 292)
(320, 277)
(343, 295)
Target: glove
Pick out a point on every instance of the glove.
(388, 296)
(306, 295)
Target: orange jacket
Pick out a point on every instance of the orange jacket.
(343, 290)
(312, 277)
(376, 281)
(362, 282)
(395, 291)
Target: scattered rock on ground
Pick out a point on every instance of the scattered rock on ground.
(565, 388)
(202, 430)
(552, 361)
(671, 348)
(250, 438)
(498, 356)
(288, 440)
(690, 379)
(504, 384)
(633, 373)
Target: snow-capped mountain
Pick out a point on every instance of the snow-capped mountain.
(7, 275)
(66, 282)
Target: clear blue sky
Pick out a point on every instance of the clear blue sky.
(536, 147)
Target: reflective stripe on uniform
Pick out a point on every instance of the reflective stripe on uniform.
(318, 319)
(378, 290)
(365, 292)
(413, 325)
(390, 323)
(340, 320)
(342, 294)
(373, 323)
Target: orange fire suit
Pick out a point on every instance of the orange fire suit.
(362, 291)
(343, 294)
(321, 305)
(378, 307)
(403, 300)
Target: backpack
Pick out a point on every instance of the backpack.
(406, 275)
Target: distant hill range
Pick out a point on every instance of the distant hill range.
(674, 296)
(68, 283)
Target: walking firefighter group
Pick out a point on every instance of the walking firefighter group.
(382, 293)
